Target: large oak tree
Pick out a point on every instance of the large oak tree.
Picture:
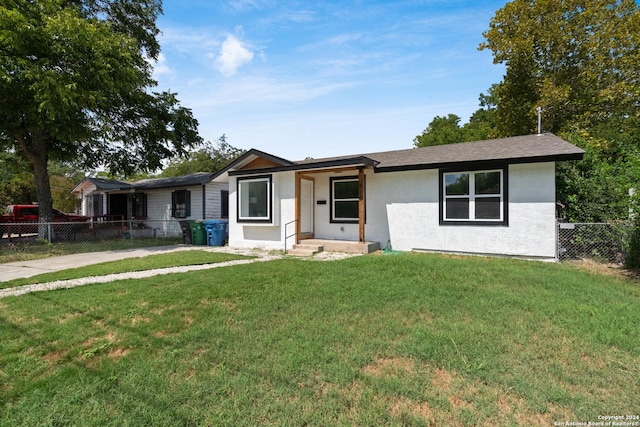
(577, 59)
(76, 83)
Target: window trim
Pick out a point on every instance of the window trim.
(269, 218)
(224, 203)
(332, 200)
(187, 203)
(142, 198)
(504, 195)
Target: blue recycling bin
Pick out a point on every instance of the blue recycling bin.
(216, 231)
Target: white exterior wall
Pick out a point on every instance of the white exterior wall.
(261, 235)
(159, 203)
(85, 208)
(159, 210)
(213, 202)
(376, 228)
(402, 209)
(532, 224)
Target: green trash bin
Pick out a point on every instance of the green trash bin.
(198, 233)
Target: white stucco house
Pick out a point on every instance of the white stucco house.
(188, 197)
(494, 197)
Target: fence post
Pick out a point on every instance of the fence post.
(557, 241)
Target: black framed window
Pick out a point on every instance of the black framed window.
(255, 199)
(181, 204)
(224, 203)
(474, 197)
(139, 205)
(344, 199)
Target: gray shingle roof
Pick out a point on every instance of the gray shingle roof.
(152, 183)
(109, 184)
(518, 149)
(177, 181)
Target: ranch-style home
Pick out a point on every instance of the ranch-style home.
(188, 197)
(493, 197)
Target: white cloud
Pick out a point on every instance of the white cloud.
(160, 66)
(247, 5)
(233, 54)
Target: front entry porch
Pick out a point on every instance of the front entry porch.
(308, 247)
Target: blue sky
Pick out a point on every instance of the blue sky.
(304, 79)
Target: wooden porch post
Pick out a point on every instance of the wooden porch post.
(361, 204)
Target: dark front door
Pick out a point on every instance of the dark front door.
(118, 205)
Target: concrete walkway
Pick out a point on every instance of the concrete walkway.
(23, 269)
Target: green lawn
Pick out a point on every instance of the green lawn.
(413, 339)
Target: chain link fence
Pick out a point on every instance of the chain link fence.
(59, 238)
(602, 242)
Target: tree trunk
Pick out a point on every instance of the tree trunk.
(35, 149)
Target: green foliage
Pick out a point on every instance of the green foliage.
(632, 259)
(576, 59)
(484, 121)
(75, 84)
(441, 130)
(16, 181)
(596, 189)
(447, 130)
(17, 184)
(208, 158)
(516, 99)
(63, 178)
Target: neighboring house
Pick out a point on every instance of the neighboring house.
(189, 197)
(488, 197)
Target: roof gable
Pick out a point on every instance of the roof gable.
(260, 163)
(101, 184)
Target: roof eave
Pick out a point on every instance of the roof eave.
(482, 163)
(152, 186)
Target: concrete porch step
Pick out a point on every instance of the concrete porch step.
(304, 249)
(344, 246)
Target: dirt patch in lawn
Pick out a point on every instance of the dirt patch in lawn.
(451, 398)
(607, 269)
(389, 366)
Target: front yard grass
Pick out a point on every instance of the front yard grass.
(414, 339)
